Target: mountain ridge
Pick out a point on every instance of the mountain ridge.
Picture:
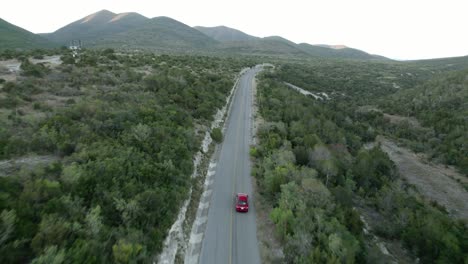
(160, 33)
(224, 33)
(13, 37)
(131, 30)
(97, 26)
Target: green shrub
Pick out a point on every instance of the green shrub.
(36, 106)
(253, 152)
(9, 87)
(129, 143)
(217, 135)
(31, 69)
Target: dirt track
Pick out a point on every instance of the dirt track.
(435, 182)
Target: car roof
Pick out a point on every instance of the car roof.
(242, 195)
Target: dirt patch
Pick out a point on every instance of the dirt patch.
(10, 68)
(11, 65)
(438, 183)
(396, 119)
(380, 250)
(48, 60)
(7, 167)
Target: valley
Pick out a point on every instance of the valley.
(130, 147)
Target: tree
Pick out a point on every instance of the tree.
(53, 230)
(125, 252)
(283, 219)
(51, 256)
(7, 225)
(322, 158)
(344, 246)
(94, 221)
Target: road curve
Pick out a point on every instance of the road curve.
(231, 237)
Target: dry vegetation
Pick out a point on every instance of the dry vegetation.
(437, 183)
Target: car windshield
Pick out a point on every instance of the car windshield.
(242, 202)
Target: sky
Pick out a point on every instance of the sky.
(397, 29)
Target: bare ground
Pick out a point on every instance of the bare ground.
(394, 119)
(10, 68)
(380, 250)
(7, 167)
(435, 182)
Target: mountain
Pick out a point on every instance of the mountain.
(225, 34)
(13, 37)
(160, 33)
(134, 31)
(342, 52)
(233, 40)
(331, 46)
(269, 46)
(97, 26)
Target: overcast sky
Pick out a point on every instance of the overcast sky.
(398, 29)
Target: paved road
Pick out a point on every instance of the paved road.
(231, 237)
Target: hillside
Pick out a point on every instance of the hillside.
(441, 65)
(160, 33)
(333, 52)
(440, 106)
(225, 34)
(269, 46)
(311, 163)
(97, 26)
(13, 37)
(331, 46)
(235, 41)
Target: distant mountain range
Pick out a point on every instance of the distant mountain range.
(135, 31)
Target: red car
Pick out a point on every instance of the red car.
(242, 202)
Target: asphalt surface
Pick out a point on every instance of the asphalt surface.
(231, 237)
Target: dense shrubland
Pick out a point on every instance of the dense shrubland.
(312, 166)
(427, 91)
(440, 106)
(125, 129)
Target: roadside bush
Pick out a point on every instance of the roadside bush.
(217, 135)
(253, 152)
